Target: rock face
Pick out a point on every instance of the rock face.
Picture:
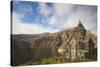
(73, 43)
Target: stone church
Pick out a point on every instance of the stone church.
(78, 44)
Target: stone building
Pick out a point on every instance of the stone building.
(78, 44)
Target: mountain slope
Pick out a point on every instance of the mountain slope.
(37, 46)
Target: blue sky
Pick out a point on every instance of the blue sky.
(39, 17)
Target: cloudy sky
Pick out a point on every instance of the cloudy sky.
(38, 17)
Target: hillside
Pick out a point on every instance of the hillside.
(34, 47)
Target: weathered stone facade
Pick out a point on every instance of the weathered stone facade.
(78, 44)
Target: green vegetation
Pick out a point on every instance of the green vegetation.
(55, 60)
(50, 60)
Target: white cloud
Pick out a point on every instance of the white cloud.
(64, 15)
(19, 27)
(59, 11)
(63, 9)
(44, 9)
(53, 20)
(67, 16)
(87, 17)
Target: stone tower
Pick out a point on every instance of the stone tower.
(81, 31)
(79, 36)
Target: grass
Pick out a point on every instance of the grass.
(54, 60)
